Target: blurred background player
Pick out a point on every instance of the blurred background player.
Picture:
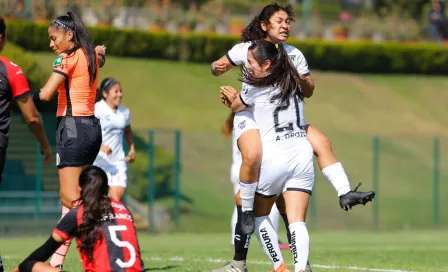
(104, 231)
(226, 129)
(14, 85)
(115, 122)
(78, 134)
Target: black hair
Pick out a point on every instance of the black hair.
(105, 86)
(97, 207)
(282, 72)
(2, 27)
(81, 38)
(253, 30)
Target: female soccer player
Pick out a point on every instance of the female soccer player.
(104, 231)
(13, 85)
(78, 133)
(227, 128)
(115, 122)
(270, 86)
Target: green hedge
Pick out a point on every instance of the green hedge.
(37, 77)
(358, 57)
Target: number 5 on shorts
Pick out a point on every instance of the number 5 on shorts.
(113, 236)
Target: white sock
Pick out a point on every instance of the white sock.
(336, 175)
(275, 217)
(300, 245)
(268, 239)
(247, 193)
(233, 223)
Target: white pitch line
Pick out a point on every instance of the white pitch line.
(211, 260)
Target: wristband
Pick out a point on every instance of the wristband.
(35, 94)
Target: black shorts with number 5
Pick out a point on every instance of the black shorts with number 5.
(78, 140)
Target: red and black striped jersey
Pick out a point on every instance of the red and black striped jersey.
(13, 84)
(118, 248)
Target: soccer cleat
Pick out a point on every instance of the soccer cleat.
(354, 198)
(233, 266)
(308, 267)
(248, 222)
(59, 266)
(281, 268)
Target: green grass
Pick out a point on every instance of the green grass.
(405, 251)
(405, 111)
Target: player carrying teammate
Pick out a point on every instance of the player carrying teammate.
(270, 86)
(78, 133)
(273, 24)
(115, 122)
(13, 85)
(104, 231)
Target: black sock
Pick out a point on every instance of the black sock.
(288, 234)
(1, 264)
(240, 240)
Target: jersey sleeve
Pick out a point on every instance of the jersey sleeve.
(247, 95)
(301, 64)
(98, 110)
(238, 54)
(65, 64)
(66, 228)
(17, 80)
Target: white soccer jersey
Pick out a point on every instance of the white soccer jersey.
(281, 125)
(113, 124)
(238, 56)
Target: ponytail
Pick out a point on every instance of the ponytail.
(81, 38)
(97, 207)
(282, 72)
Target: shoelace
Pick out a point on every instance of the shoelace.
(356, 188)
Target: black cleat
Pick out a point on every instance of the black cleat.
(308, 267)
(59, 266)
(248, 222)
(354, 198)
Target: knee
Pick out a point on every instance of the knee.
(68, 200)
(319, 141)
(252, 159)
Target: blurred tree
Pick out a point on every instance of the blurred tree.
(414, 7)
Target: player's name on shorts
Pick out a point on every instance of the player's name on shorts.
(111, 216)
(291, 135)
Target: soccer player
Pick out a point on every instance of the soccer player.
(115, 122)
(270, 88)
(78, 133)
(13, 85)
(273, 24)
(104, 231)
(227, 128)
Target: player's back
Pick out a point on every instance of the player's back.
(281, 124)
(118, 250)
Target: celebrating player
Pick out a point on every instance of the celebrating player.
(227, 128)
(273, 24)
(270, 88)
(78, 133)
(13, 84)
(115, 122)
(104, 231)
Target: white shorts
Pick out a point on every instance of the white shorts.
(291, 171)
(116, 174)
(243, 121)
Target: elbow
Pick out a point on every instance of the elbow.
(33, 120)
(309, 91)
(45, 97)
